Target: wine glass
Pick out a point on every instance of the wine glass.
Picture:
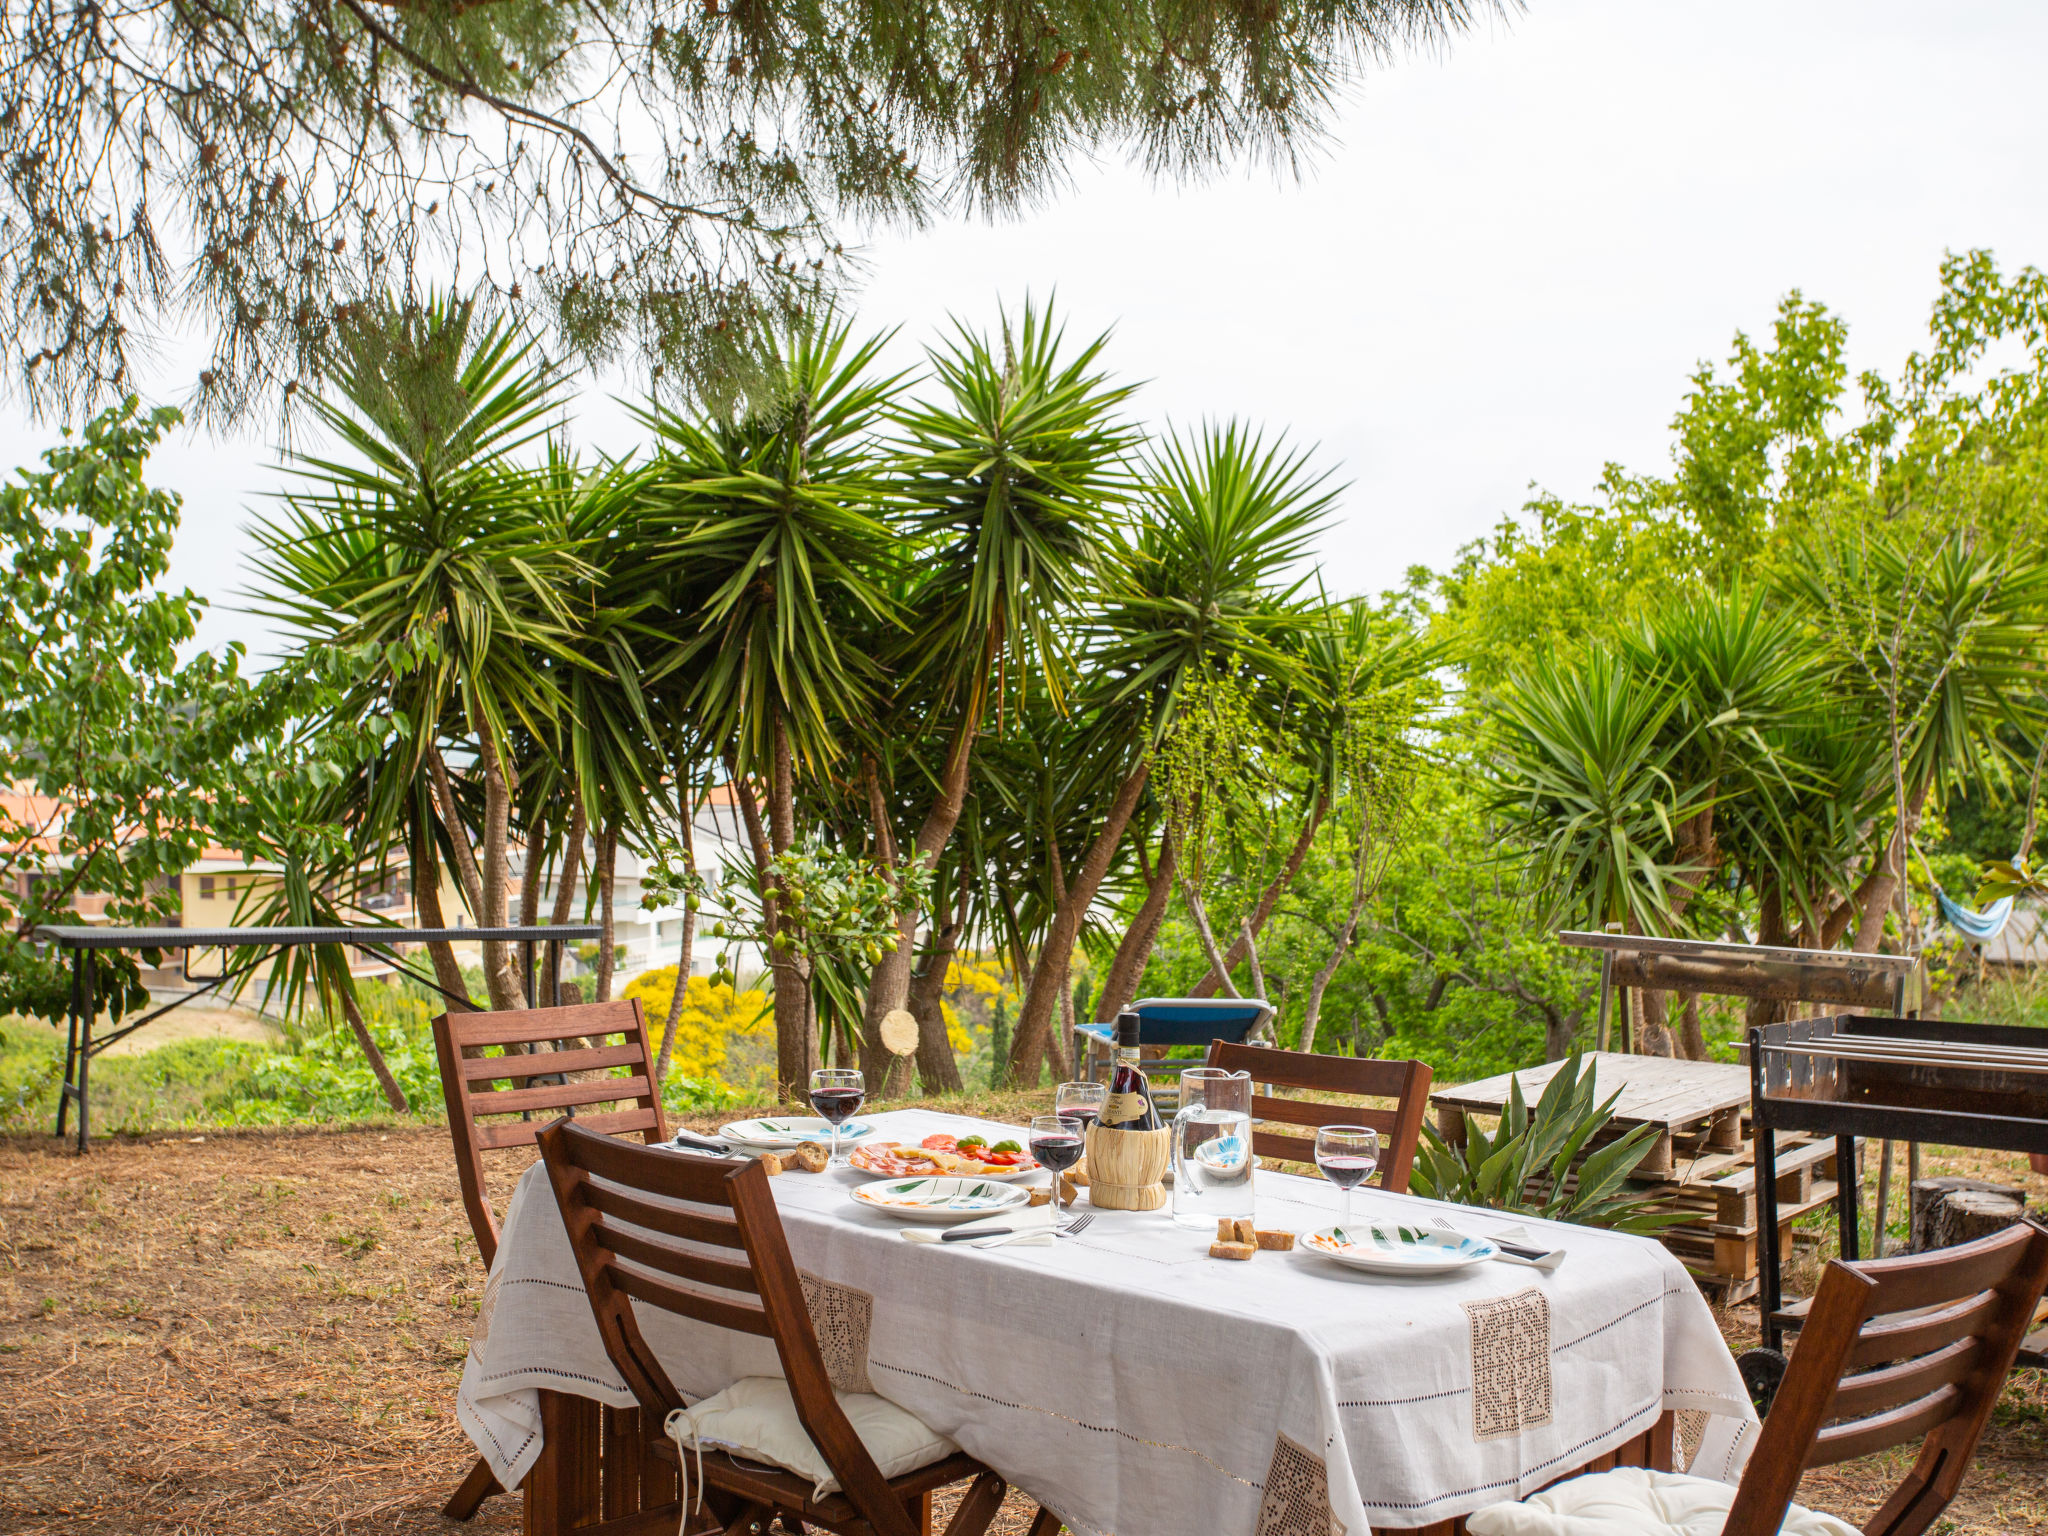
(1056, 1141)
(1347, 1155)
(1082, 1102)
(836, 1093)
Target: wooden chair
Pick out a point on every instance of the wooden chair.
(630, 1249)
(1894, 1350)
(475, 1106)
(1400, 1128)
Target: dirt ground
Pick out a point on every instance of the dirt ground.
(260, 1333)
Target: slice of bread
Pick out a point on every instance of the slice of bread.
(1232, 1250)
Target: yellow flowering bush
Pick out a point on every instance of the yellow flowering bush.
(713, 1020)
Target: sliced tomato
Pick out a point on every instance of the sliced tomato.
(1000, 1159)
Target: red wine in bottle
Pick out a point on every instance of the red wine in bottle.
(1130, 1106)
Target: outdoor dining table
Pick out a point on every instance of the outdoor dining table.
(1137, 1386)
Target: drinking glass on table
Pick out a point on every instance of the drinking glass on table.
(837, 1094)
(1080, 1101)
(1347, 1156)
(1056, 1141)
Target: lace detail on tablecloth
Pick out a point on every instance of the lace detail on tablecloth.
(482, 1332)
(842, 1318)
(1510, 1364)
(1297, 1497)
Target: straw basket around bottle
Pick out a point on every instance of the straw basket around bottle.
(1126, 1168)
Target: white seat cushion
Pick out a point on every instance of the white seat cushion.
(755, 1419)
(1631, 1501)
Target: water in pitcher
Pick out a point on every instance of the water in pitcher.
(1212, 1165)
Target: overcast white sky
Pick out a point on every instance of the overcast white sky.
(1501, 274)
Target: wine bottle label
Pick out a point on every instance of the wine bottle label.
(1122, 1108)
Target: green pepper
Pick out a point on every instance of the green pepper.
(1003, 1146)
(971, 1141)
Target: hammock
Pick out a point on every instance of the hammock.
(1978, 927)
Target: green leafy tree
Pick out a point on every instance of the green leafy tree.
(111, 746)
(638, 175)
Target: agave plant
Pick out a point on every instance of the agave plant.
(1526, 1164)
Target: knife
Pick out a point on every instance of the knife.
(970, 1234)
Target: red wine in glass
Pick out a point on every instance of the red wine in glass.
(1347, 1172)
(1347, 1156)
(837, 1105)
(1058, 1152)
(836, 1092)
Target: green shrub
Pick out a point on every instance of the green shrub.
(1523, 1165)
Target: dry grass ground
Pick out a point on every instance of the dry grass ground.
(260, 1333)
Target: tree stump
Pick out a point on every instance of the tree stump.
(1929, 1195)
(1969, 1214)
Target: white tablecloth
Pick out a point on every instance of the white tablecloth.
(1138, 1387)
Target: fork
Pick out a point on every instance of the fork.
(1075, 1227)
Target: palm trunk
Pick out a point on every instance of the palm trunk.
(1219, 963)
(675, 1003)
(1690, 1037)
(393, 1094)
(458, 836)
(1127, 969)
(499, 976)
(1034, 1022)
(1877, 893)
(1347, 936)
(565, 895)
(937, 1069)
(889, 985)
(1269, 898)
(795, 1049)
(607, 918)
(426, 903)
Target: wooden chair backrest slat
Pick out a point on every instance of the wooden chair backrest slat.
(1884, 1340)
(478, 1069)
(688, 1301)
(1400, 1128)
(1939, 1374)
(669, 1260)
(537, 1026)
(1872, 1392)
(465, 1076)
(519, 1101)
(618, 1122)
(576, 1158)
(691, 1226)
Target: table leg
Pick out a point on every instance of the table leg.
(1770, 1294)
(70, 1041)
(1849, 1202)
(87, 1012)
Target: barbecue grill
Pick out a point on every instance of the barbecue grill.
(1914, 1080)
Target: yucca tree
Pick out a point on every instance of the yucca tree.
(773, 514)
(1204, 582)
(1939, 638)
(425, 555)
(1010, 473)
(1584, 764)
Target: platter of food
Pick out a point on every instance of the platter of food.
(981, 1157)
(945, 1198)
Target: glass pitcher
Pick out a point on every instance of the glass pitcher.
(1212, 1148)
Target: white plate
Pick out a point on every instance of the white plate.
(946, 1198)
(1388, 1248)
(793, 1132)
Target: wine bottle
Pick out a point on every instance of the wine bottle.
(1130, 1106)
